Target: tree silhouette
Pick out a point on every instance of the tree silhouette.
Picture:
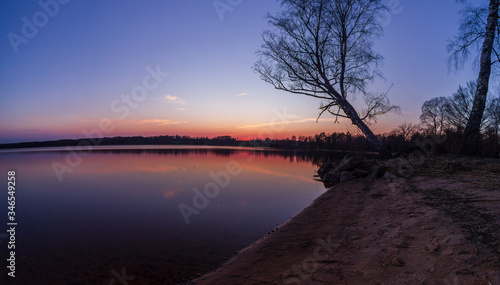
(493, 115)
(477, 24)
(433, 117)
(324, 49)
(459, 107)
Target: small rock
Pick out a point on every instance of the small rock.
(365, 165)
(399, 166)
(347, 164)
(433, 245)
(389, 175)
(394, 163)
(361, 173)
(331, 179)
(465, 271)
(400, 243)
(346, 176)
(396, 261)
(325, 168)
(378, 171)
(447, 251)
(372, 176)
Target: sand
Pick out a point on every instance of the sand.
(431, 228)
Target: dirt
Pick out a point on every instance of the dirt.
(439, 226)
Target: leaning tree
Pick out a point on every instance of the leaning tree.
(324, 49)
(478, 25)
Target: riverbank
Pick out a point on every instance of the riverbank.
(439, 226)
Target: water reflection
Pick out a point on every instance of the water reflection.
(120, 208)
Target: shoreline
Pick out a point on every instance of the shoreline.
(397, 231)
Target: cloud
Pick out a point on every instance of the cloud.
(182, 109)
(243, 94)
(275, 123)
(160, 122)
(278, 122)
(169, 194)
(175, 99)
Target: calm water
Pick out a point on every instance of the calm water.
(117, 213)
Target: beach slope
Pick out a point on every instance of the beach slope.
(437, 229)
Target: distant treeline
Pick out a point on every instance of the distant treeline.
(133, 140)
(322, 141)
(335, 141)
(404, 137)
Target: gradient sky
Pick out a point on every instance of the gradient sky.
(64, 79)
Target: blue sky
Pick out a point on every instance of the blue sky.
(63, 80)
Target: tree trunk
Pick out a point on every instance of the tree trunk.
(496, 146)
(472, 130)
(356, 120)
(496, 155)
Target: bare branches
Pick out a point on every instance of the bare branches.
(405, 131)
(491, 34)
(493, 114)
(452, 112)
(323, 49)
(328, 108)
(377, 105)
(433, 117)
(470, 37)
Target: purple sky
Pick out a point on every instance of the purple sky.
(71, 74)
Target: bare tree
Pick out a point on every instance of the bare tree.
(478, 24)
(459, 107)
(433, 117)
(405, 130)
(324, 49)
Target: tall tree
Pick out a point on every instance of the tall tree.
(459, 107)
(452, 112)
(473, 29)
(324, 49)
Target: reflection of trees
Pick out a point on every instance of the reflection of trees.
(224, 145)
(316, 157)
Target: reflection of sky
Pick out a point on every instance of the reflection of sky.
(114, 204)
(65, 78)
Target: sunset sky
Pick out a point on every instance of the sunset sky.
(69, 76)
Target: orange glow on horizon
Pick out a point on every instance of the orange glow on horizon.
(80, 128)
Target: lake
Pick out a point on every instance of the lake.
(146, 214)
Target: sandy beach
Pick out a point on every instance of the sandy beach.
(439, 226)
